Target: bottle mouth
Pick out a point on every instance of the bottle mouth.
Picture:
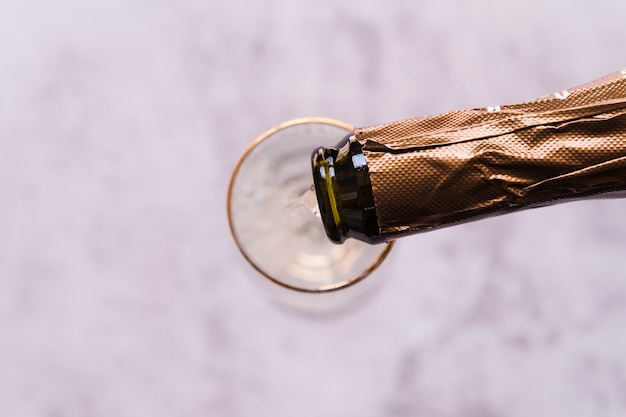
(344, 193)
(324, 180)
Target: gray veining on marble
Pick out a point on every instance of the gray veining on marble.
(122, 294)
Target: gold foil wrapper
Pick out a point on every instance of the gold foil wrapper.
(454, 167)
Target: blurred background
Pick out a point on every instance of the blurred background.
(123, 294)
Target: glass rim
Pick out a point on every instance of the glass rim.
(322, 288)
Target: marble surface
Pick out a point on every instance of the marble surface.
(122, 293)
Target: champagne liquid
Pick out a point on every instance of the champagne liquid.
(308, 201)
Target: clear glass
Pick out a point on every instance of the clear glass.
(271, 216)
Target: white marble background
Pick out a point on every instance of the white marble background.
(122, 293)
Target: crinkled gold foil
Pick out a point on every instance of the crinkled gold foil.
(454, 167)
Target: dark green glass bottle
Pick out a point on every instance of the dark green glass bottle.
(416, 175)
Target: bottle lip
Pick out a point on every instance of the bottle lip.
(323, 160)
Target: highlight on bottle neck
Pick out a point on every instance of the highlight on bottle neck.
(344, 192)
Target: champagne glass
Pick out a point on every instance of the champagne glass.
(273, 217)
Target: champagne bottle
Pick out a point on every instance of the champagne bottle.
(388, 181)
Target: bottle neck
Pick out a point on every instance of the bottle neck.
(344, 192)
